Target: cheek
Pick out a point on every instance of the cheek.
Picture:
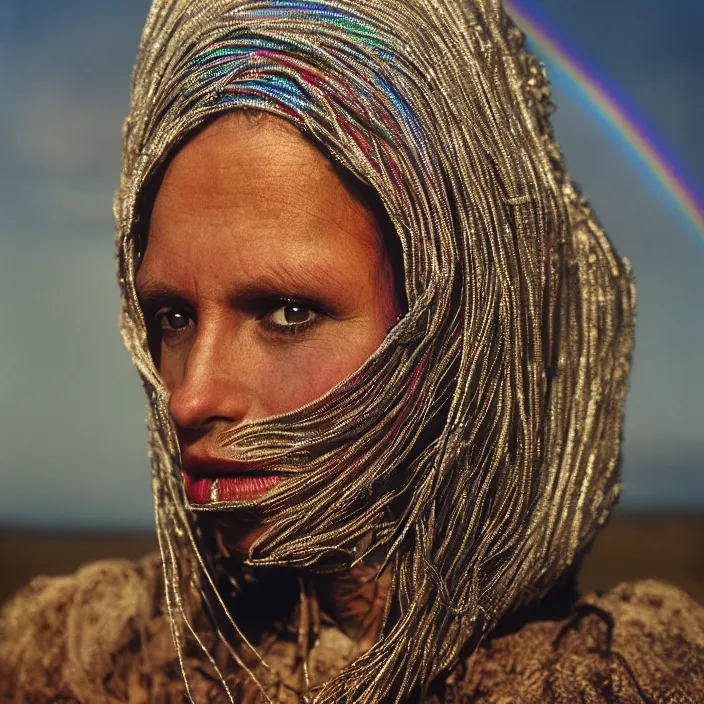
(292, 377)
(172, 367)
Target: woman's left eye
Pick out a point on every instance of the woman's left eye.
(291, 315)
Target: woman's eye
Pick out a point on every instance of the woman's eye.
(291, 315)
(173, 320)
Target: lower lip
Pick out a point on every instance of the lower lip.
(230, 489)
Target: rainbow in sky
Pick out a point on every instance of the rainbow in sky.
(551, 50)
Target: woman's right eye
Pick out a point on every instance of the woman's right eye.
(172, 321)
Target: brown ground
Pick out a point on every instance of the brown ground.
(667, 548)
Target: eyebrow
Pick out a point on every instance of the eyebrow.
(305, 283)
(285, 280)
(157, 291)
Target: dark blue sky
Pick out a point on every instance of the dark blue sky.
(650, 55)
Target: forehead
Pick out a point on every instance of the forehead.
(255, 188)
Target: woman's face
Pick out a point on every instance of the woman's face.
(264, 283)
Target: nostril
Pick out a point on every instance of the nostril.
(196, 409)
(190, 436)
(191, 409)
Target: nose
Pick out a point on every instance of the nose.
(212, 387)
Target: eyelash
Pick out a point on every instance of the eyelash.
(162, 314)
(295, 328)
(266, 308)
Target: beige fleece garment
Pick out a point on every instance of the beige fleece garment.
(101, 636)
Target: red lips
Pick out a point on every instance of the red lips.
(211, 480)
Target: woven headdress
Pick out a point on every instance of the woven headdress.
(477, 449)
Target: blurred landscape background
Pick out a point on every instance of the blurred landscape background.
(627, 85)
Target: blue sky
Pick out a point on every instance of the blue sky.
(72, 415)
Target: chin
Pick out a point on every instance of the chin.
(236, 534)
